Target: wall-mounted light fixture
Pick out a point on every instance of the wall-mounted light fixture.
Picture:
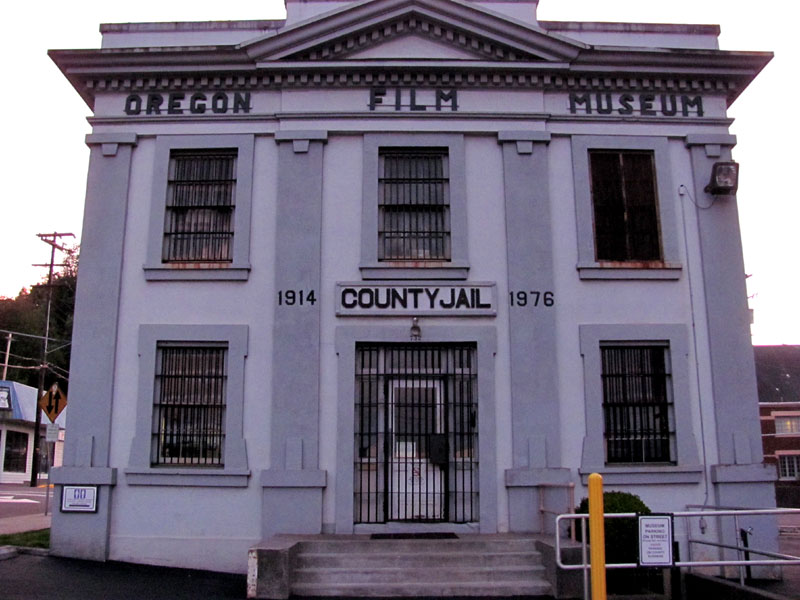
(724, 178)
(416, 331)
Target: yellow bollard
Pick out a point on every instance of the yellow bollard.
(597, 537)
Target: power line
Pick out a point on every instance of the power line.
(11, 354)
(30, 335)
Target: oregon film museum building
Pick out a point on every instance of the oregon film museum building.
(402, 265)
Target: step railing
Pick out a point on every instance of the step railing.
(744, 560)
(569, 488)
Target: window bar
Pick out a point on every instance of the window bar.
(427, 391)
(387, 436)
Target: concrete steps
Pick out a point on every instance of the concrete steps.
(356, 566)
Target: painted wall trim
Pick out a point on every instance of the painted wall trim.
(642, 476)
(236, 337)
(686, 447)
(346, 338)
(187, 478)
(713, 139)
(94, 343)
(588, 266)
(743, 473)
(122, 137)
(84, 476)
(290, 136)
(733, 381)
(458, 265)
(534, 387)
(291, 490)
(536, 477)
(305, 478)
(238, 269)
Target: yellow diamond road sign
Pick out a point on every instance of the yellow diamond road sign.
(53, 402)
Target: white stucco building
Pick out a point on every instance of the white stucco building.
(402, 264)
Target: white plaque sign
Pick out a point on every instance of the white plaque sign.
(655, 541)
(79, 498)
(52, 432)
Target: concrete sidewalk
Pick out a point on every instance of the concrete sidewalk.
(24, 523)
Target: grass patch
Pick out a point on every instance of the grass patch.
(29, 539)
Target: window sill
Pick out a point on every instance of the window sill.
(400, 270)
(197, 477)
(630, 270)
(645, 474)
(193, 272)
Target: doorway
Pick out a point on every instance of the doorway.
(416, 433)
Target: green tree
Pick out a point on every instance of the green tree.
(26, 314)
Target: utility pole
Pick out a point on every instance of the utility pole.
(8, 353)
(52, 239)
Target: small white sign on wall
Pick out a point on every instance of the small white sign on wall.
(655, 541)
(79, 498)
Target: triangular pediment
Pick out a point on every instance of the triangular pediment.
(412, 29)
(412, 46)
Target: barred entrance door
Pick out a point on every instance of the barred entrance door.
(416, 433)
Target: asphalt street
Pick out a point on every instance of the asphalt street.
(32, 577)
(17, 500)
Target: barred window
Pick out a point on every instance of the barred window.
(413, 204)
(787, 425)
(789, 466)
(201, 188)
(637, 404)
(189, 405)
(5, 398)
(625, 205)
(16, 452)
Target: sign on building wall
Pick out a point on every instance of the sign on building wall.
(473, 299)
(419, 101)
(79, 498)
(655, 541)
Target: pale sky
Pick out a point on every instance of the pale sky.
(44, 169)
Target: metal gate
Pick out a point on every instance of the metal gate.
(416, 433)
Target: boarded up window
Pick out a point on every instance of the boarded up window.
(625, 206)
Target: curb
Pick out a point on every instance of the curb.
(7, 552)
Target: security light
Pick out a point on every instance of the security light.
(724, 178)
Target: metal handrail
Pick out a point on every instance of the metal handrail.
(776, 558)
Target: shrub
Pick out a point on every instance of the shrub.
(622, 542)
(622, 535)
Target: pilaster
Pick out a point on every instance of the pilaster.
(292, 486)
(86, 452)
